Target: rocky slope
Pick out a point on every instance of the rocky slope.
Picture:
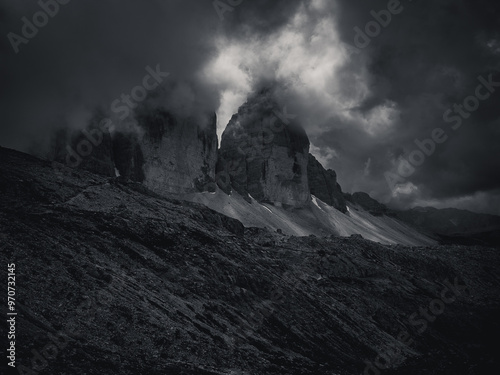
(366, 202)
(316, 218)
(129, 282)
(265, 156)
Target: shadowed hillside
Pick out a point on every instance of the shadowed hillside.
(128, 282)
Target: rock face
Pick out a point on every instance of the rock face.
(129, 159)
(368, 203)
(168, 154)
(323, 185)
(90, 149)
(180, 154)
(264, 156)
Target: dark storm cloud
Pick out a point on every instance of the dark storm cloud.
(93, 51)
(428, 58)
(260, 17)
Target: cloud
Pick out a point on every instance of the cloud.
(418, 76)
(93, 51)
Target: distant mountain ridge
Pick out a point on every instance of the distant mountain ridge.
(450, 221)
(448, 225)
(452, 225)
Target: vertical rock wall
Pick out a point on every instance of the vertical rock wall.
(323, 184)
(264, 157)
(179, 154)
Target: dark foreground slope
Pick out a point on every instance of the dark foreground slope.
(128, 282)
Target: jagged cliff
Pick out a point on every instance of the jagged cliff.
(264, 156)
(169, 154)
(367, 203)
(323, 185)
(128, 156)
(180, 154)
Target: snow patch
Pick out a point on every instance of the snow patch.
(255, 200)
(315, 201)
(267, 208)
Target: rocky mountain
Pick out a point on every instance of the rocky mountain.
(180, 153)
(262, 175)
(170, 154)
(115, 279)
(265, 156)
(266, 177)
(366, 202)
(323, 185)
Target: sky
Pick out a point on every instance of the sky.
(388, 91)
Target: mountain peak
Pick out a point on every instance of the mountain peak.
(265, 153)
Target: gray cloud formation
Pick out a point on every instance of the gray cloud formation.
(93, 51)
(427, 59)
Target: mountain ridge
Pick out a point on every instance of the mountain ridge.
(264, 157)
